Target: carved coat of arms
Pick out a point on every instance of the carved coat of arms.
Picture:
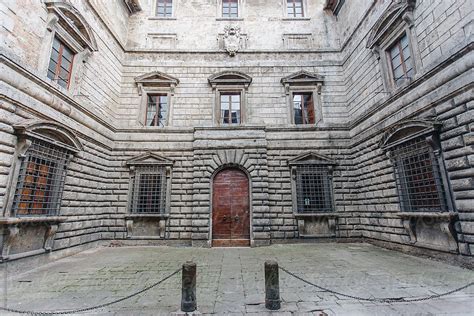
(232, 39)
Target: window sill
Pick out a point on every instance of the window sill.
(157, 216)
(229, 19)
(296, 19)
(438, 215)
(159, 18)
(316, 215)
(31, 219)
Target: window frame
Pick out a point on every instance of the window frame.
(155, 11)
(136, 166)
(225, 92)
(62, 45)
(316, 161)
(230, 82)
(427, 132)
(157, 94)
(80, 41)
(155, 83)
(395, 22)
(230, 17)
(302, 93)
(51, 133)
(287, 17)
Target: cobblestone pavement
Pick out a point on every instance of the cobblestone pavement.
(230, 281)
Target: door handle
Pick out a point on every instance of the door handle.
(236, 218)
(224, 219)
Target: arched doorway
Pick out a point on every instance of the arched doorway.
(230, 209)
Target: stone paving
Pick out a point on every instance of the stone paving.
(230, 281)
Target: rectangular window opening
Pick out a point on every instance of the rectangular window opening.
(230, 8)
(230, 108)
(295, 8)
(303, 108)
(164, 8)
(313, 189)
(149, 190)
(60, 63)
(157, 110)
(400, 60)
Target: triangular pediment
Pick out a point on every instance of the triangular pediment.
(149, 158)
(302, 77)
(311, 158)
(158, 78)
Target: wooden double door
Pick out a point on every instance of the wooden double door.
(230, 209)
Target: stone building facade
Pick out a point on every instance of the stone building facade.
(278, 121)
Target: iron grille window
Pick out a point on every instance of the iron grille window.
(314, 189)
(401, 61)
(418, 176)
(294, 8)
(60, 63)
(230, 108)
(41, 180)
(303, 106)
(164, 8)
(157, 110)
(230, 8)
(149, 190)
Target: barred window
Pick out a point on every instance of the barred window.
(41, 180)
(314, 189)
(418, 177)
(149, 190)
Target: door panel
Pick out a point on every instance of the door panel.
(231, 209)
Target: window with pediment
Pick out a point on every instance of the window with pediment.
(68, 45)
(150, 184)
(414, 150)
(312, 185)
(230, 90)
(303, 95)
(393, 40)
(44, 150)
(156, 90)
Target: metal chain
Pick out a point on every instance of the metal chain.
(87, 309)
(382, 299)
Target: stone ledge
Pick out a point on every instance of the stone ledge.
(151, 216)
(438, 215)
(316, 215)
(31, 219)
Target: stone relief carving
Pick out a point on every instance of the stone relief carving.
(232, 39)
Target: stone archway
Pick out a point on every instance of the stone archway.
(230, 209)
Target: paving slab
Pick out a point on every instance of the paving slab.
(230, 281)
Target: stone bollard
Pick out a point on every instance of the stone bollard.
(272, 287)
(188, 291)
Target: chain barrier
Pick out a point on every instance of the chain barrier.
(91, 308)
(381, 299)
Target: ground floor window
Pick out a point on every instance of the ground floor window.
(149, 190)
(41, 180)
(419, 180)
(314, 189)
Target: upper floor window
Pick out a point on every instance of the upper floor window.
(400, 60)
(230, 88)
(60, 63)
(303, 91)
(303, 106)
(164, 8)
(157, 90)
(67, 45)
(394, 42)
(418, 167)
(45, 151)
(230, 8)
(230, 108)
(157, 110)
(295, 8)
